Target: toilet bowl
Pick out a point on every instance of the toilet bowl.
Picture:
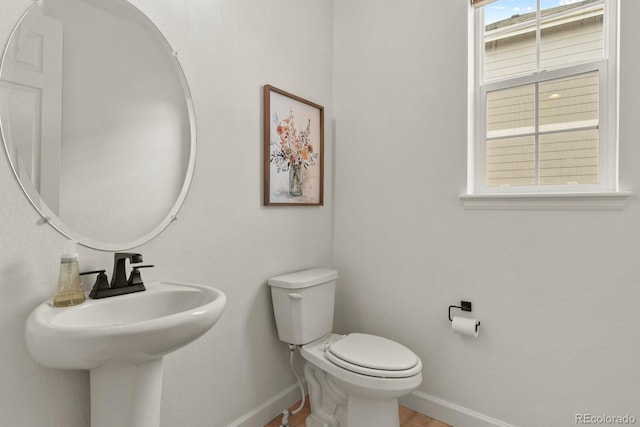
(354, 380)
(346, 392)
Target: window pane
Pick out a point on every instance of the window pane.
(574, 36)
(569, 103)
(502, 10)
(511, 161)
(511, 111)
(552, 7)
(510, 54)
(509, 38)
(569, 158)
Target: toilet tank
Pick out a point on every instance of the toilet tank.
(303, 304)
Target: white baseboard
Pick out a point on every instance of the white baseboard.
(267, 411)
(447, 412)
(434, 407)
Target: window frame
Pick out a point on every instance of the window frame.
(607, 67)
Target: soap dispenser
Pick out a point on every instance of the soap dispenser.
(70, 290)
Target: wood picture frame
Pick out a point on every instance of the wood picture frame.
(293, 150)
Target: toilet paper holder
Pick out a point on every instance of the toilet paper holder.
(464, 306)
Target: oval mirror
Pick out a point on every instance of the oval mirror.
(97, 121)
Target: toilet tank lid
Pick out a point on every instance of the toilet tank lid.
(304, 279)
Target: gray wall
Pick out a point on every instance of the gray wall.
(553, 289)
(223, 237)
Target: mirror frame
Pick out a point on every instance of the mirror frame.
(47, 216)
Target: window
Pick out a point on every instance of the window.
(545, 99)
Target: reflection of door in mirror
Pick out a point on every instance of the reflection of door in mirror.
(31, 93)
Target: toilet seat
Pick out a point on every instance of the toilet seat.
(373, 356)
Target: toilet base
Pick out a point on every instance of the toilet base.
(327, 403)
(362, 412)
(313, 421)
(331, 406)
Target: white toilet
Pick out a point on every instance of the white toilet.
(354, 380)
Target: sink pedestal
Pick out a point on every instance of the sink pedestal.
(126, 395)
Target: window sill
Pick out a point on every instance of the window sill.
(612, 201)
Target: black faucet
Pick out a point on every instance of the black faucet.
(119, 278)
(120, 285)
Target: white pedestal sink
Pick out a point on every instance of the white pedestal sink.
(122, 341)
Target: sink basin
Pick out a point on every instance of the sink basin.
(129, 328)
(122, 341)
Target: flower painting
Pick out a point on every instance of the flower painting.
(293, 149)
(292, 146)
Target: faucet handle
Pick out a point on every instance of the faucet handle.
(102, 282)
(135, 278)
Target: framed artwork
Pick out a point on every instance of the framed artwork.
(293, 149)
